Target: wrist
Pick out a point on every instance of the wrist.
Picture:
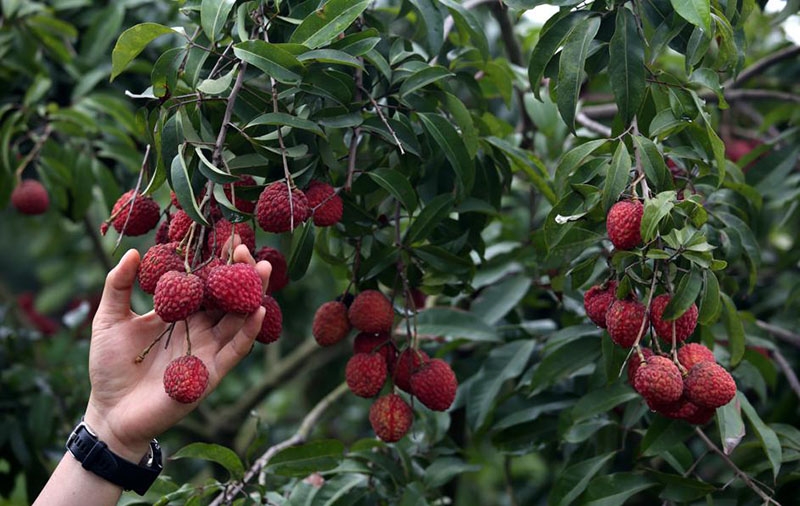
(122, 445)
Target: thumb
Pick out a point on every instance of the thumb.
(116, 300)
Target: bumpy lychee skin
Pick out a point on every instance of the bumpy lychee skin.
(635, 362)
(407, 364)
(325, 204)
(367, 342)
(223, 230)
(162, 233)
(235, 288)
(179, 226)
(272, 324)
(185, 379)
(158, 260)
(693, 353)
(684, 325)
(597, 300)
(623, 224)
(203, 273)
(279, 277)
(390, 418)
(435, 385)
(330, 323)
(709, 385)
(177, 296)
(241, 203)
(659, 381)
(30, 197)
(624, 321)
(371, 311)
(365, 374)
(274, 211)
(684, 409)
(143, 217)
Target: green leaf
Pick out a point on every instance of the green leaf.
(213, 15)
(565, 361)
(602, 400)
(164, 75)
(277, 63)
(430, 216)
(626, 65)
(444, 469)
(696, 12)
(215, 453)
(331, 56)
(529, 164)
(220, 85)
(615, 489)
(617, 176)
(455, 324)
(469, 23)
(423, 77)
(431, 17)
(209, 170)
(731, 426)
(680, 489)
(655, 210)
(284, 119)
(685, 295)
(397, 185)
(710, 304)
(132, 42)
(302, 249)
(767, 436)
(551, 37)
(663, 434)
(734, 328)
(570, 68)
(462, 117)
(573, 480)
(655, 169)
(573, 159)
(448, 139)
(313, 457)
(497, 300)
(323, 25)
(181, 184)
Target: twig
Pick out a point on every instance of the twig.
(384, 120)
(219, 60)
(779, 332)
(34, 151)
(216, 157)
(593, 125)
(791, 377)
(761, 65)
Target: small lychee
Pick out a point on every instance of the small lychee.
(435, 384)
(224, 229)
(202, 272)
(136, 219)
(709, 385)
(684, 324)
(162, 232)
(279, 277)
(30, 197)
(179, 226)
(365, 374)
(623, 224)
(330, 323)
(694, 353)
(635, 362)
(234, 288)
(659, 381)
(624, 321)
(325, 204)
(276, 213)
(158, 260)
(272, 324)
(390, 417)
(177, 296)
(371, 311)
(185, 379)
(367, 342)
(597, 300)
(407, 364)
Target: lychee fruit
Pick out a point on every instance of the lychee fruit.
(239, 202)
(684, 325)
(419, 298)
(365, 374)
(435, 384)
(659, 381)
(709, 385)
(623, 224)
(185, 379)
(390, 417)
(325, 204)
(330, 323)
(272, 324)
(234, 288)
(693, 353)
(597, 300)
(177, 296)
(407, 364)
(179, 226)
(624, 321)
(684, 409)
(158, 260)
(366, 342)
(635, 362)
(136, 219)
(224, 229)
(371, 311)
(274, 211)
(280, 276)
(162, 233)
(202, 273)
(30, 197)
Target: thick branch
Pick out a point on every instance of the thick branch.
(593, 125)
(226, 119)
(780, 332)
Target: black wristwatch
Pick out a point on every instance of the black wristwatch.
(95, 456)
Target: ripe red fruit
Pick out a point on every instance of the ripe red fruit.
(684, 325)
(272, 324)
(224, 229)
(365, 374)
(390, 417)
(235, 288)
(203, 273)
(274, 211)
(330, 323)
(693, 353)
(30, 197)
(366, 342)
(158, 260)
(241, 203)
(177, 296)
(597, 300)
(623, 224)
(635, 362)
(185, 379)
(419, 298)
(407, 364)
(279, 277)
(709, 385)
(624, 321)
(179, 226)
(162, 233)
(371, 311)
(684, 409)
(659, 381)
(142, 218)
(325, 204)
(435, 384)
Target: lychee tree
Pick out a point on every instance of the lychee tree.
(556, 276)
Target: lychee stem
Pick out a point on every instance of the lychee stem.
(139, 358)
(169, 337)
(188, 248)
(188, 341)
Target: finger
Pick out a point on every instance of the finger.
(241, 344)
(116, 300)
(264, 270)
(227, 328)
(241, 255)
(226, 248)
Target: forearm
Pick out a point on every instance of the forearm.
(72, 485)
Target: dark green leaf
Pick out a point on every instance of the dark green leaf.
(284, 119)
(570, 68)
(551, 37)
(564, 361)
(663, 434)
(209, 170)
(731, 425)
(181, 184)
(697, 12)
(448, 139)
(734, 328)
(313, 457)
(710, 304)
(302, 248)
(685, 295)
(423, 77)
(132, 42)
(331, 56)
(615, 489)
(602, 400)
(617, 177)
(444, 469)
(323, 25)
(215, 453)
(213, 15)
(396, 184)
(655, 169)
(466, 20)
(278, 63)
(767, 437)
(655, 210)
(430, 216)
(455, 324)
(626, 65)
(573, 480)
(497, 300)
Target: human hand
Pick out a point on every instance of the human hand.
(128, 406)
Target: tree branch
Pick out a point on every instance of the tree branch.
(784, 365)
(226, 119)
(780, 332)
(593, 125)
(762, 64)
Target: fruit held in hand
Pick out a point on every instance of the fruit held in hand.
(177, 296)
(325, 204)
(279, 277)
(635, 362)
(684, 325)
(272, 324)
(659, 381)
(597, 300)
(365, 374)
(435, 385)
(330, 323)
(407, 364)
(158, 260)
(367, 342)
(371, 311)
(624, 321)
(709, 385)
(185, 379)
(623, 224)
(275, 213)
(224, 229)
(136, 219)
(30, 197)
(390, 417)
(693, 353)
(234, 288)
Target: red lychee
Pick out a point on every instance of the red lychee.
(635, 362)
(623, 224)
(407, 364)
(177, 296)
(330, 323)
(684, 409)
(158, 260)
(241, 203)
(435, 384)
(275, 212)
(709, 385)
(684, 325)
(224, 229)
(366, 342)
(185, 379)
(136, 219)
(371, 311)
(365, 374)
(597, 300)
(235, 288)
(203, 273)
(162, 233)
(179, 226)
(273, 321)
(30, 197)
(390, 417)
(280, 276)
(624, 321)
(693, 353)
(325, 204)
(659, 381)
(419, 298)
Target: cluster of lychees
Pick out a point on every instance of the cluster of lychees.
(185, 271)
(375, 359)
(688, 386)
